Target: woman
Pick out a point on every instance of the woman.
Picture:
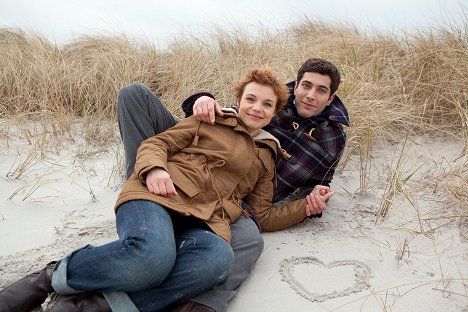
(173, 215)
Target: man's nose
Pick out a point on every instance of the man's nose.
(311, 93)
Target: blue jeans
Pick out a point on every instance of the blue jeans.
(152, 262)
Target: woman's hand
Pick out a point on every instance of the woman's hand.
(317, 200)
(159, 182)
(204, 109)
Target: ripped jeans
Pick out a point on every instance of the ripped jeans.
(152, 265)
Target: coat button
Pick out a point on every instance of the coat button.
(202, 159)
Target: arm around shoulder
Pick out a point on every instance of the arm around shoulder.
(187, 105)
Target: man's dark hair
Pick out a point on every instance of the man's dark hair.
(323, 67)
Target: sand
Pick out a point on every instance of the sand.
(58, 197)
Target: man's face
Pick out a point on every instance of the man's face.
(312, 94)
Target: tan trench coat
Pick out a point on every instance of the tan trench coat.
(213, 167)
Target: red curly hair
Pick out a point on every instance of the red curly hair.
(264, 76)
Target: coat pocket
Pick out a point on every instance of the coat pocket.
(182, 182)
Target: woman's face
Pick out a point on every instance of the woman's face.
(257, 106)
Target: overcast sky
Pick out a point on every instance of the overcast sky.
(159, 20)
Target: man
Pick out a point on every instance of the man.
(309, 129)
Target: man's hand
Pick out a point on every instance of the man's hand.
(159, 182)
(204, 109)
(317, 200)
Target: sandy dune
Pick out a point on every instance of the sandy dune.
(414, 259)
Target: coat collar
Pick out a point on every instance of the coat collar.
(231, 118)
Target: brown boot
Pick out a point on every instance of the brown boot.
(192, 306)
(29, 292)
(84, 302)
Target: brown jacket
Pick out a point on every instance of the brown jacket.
(213, 167)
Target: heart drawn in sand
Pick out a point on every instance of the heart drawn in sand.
(317, 281)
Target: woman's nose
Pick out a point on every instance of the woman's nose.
(257, 106)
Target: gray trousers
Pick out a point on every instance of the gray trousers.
(142, 115)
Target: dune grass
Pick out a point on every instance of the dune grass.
(394, 86)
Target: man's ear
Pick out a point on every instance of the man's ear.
(330, 99)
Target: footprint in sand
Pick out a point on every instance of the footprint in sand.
(317, 281)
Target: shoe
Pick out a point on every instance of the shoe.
(29, 292)
(83, 302)
(192, 306)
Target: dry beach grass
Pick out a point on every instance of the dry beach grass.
(402, 184)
